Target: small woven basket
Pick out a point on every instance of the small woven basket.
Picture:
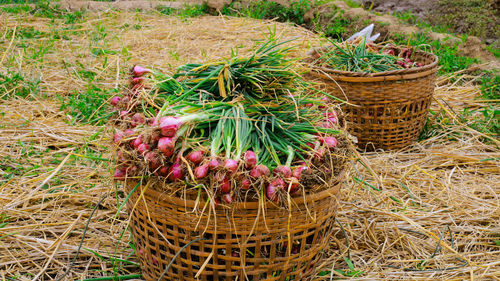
(388, 108)
(250, 239)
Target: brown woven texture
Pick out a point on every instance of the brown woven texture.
(389, 109)
(162, 224)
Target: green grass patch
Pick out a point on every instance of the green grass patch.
(187, 11)
(270, 10)
(90, 106)
(15, 84)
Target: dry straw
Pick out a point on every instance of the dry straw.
(427, 212)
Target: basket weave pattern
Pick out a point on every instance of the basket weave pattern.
(167, 223)
(388, 109)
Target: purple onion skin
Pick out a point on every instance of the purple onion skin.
(213, 164)
(120, 174)
(225, 186)
(231, 165)
(128, 132)
(119, 135)
(330, 142)
(176, 173)
(201, 171)
(138, 71)
(137, 119)
(259, 171)
(153, 159)
(166, 145)
(195, 156)
(297, 173)
(115, 100)
(250, 159)
(143, 148)
(169, 126)
(124, 114)
(137, 80)
(163, 171)
(284, 171)
(272, 189)
(245, 184)
(136, 142)
(121, 156)
(228, 198)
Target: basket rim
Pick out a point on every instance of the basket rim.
(400, 73)
(302, 200)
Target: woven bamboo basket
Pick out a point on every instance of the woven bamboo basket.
(244, 241)
(389, 108)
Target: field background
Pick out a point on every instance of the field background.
(427, 212)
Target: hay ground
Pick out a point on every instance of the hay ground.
(428, 212)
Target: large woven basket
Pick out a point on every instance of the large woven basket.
(389, 109)
(243, 247)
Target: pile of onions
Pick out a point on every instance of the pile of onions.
(153, 146)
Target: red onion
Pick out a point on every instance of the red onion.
(195, 156)
(131, 171)
(115, 100)
(330, 142)
(332, 120)
(231, 165)
(201, 171)
(167, 146)
(319, 153)
(245, 184)
(213, 164)
(297, 173)
(128, 132)
(228, 198)
(250, 159)
(119, 135)
(170, 125)
(153, 122)
(120, 156)
(139, 71)
(163, 171)
(143, 148)
(136, 142)
(272, 189)
(120, 174)
(329, 114)
(308, 105)
(137, 119)
(137, 80)
(153, 159)
(225, 186)
(123, 114)
(259, 171)
(176, 173)
(125, 100)
(285, 171)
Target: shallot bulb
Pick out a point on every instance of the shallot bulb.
(201, 171)
(138, 71)
(231, 165)
(167, 146)
(273, 187)
(259, 171)
(213, 164)
(250, 159)
(285, 171)
(228, 198)
(176, 172)
(120, 174)
(245, 184)
(169, 126)
(225, 186)
(115, 100)
(195, 156)
(119, 135)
